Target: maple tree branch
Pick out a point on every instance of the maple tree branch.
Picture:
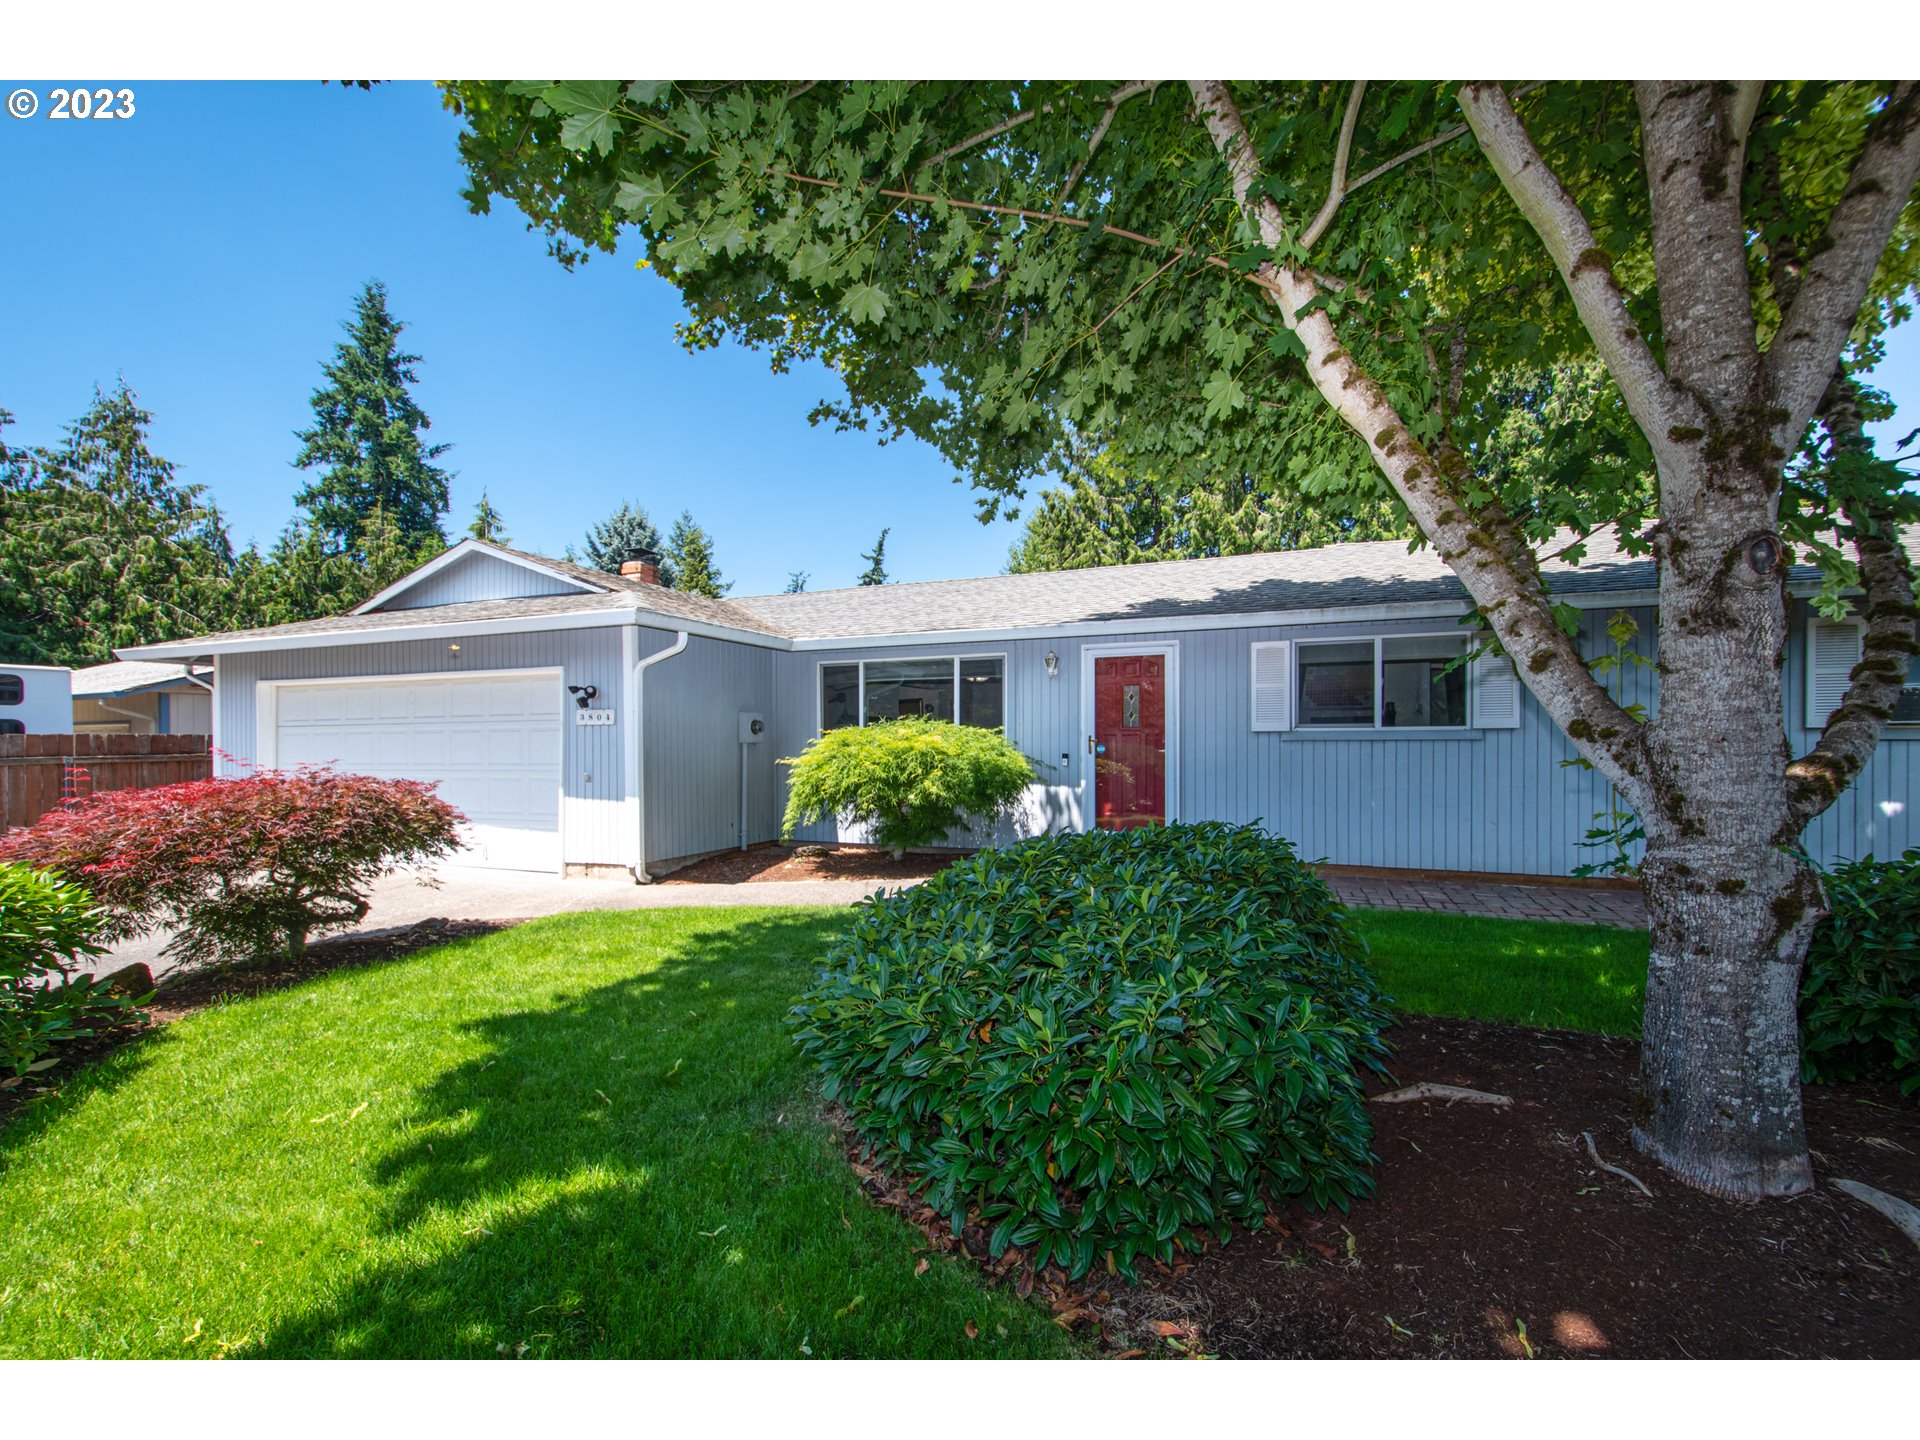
(1179, 252)
(1337, 187)
(1483, 546)
(1815, 780)
(1841, 263)
(1114, 102)
(1586, 269)
(987, 134)
(1387, 166)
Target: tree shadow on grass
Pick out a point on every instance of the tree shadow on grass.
(638, 1169)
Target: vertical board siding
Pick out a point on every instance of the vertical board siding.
(478, 577)
(592, 782)
(1492, 800)
(1875, 815)
(1488, 800)
(692, 752)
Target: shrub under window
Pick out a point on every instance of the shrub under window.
(1103, 1045)
(910, 780)
(1860, 994)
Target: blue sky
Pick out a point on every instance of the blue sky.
(209, 247)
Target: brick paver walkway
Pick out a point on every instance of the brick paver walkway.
(1582, 904)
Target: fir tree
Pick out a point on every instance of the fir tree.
(625, 530)
(100, 544)
(487, 524)
(797, 581)
(876, 571)
(366, 438)
(690, 551)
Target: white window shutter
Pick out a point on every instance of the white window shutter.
(1493, 693)
(1273, 685)
(1833, 649)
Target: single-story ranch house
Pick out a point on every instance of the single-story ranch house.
(602, 724)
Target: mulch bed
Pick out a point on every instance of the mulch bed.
(1488, 1220)
(811, 862)
(182, 994)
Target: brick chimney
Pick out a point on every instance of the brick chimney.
(643, 565)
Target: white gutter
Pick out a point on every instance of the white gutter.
(616, 614)
(639, 752)
(130, 714)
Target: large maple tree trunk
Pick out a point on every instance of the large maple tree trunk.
(1731, 906)
(1720, 1098)
(1721, 797)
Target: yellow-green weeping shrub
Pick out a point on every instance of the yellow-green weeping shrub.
(1103, 1045)
(911, 780)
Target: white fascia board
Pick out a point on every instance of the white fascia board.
(629, 614)
(1181, 624)
(442, 630)
(460, 552)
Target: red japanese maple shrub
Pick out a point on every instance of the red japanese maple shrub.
(240, 867)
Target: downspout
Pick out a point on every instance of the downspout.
(139, 715)
(639, 751)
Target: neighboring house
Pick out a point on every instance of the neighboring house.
(600, 723)
(34, 700)
(142, 697)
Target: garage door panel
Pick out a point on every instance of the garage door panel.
(492, 746)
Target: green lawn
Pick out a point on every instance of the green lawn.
(587, 1136)
(1532, 972)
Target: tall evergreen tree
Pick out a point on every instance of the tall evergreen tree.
(876, 571)
(487, 524)
(690, 549)
(100, 544)
(1106, 515)
(366, 438)
(625, 530)
(797, 581)
(302, 578)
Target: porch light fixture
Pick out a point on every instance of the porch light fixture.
(454, 648)
(1052, 662)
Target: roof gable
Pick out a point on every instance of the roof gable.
(476, 570)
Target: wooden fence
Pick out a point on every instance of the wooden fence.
(38, 772)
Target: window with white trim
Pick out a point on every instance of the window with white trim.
(1387, 682)
(968, 689)
(1834, 647)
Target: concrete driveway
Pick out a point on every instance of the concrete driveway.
(458, 893)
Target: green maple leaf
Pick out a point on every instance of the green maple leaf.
(637, 196)
(587, 106)
(1223, 395)
(865, 304)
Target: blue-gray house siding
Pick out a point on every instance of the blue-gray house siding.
(1501, 800)
(1494, 800)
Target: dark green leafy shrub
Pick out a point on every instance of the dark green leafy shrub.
(912, 780)
(48, 929)
(1860, 995)
(1106, 1044)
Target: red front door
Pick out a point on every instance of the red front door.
(1129, 740)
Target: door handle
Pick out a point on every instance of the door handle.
(1089, 744)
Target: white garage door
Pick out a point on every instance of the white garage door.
(491, 741)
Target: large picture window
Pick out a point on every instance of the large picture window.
(970, 689)
(1392, 682)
